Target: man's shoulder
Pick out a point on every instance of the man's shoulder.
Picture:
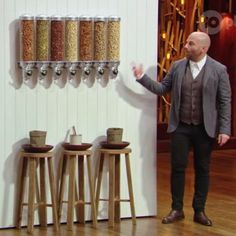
(215, 63)
(179, 63)
(210, 60)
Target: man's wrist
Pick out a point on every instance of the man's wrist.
(140, 76)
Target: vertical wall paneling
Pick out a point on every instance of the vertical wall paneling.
(2, 100)
(2, 87)
(91, 107)
(52, 7)
(9, 120)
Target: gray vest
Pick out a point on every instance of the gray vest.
(191, 110)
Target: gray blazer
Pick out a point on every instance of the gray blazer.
(216, 95)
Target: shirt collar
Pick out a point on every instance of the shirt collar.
(199, 64)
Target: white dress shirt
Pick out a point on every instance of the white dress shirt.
(196, 67)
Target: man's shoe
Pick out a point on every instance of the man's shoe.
(173, 216)
(201, 218)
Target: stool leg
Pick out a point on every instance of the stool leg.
(37, 192)
(76, 201)
(111, 190)
(99, 180)
(31, 199)
(53, 193)
(117, 188)
(21, 192)
(91, 184)
(43, 199)
(71, 193)
(62, 186)
(131, 195)
(81, 207)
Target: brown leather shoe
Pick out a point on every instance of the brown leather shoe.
(173, 216)
(201, 218)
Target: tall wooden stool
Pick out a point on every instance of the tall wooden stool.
(113, 156)
(73, 198)
(32, 160)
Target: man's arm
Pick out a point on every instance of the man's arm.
(159, 88)
(224, 108)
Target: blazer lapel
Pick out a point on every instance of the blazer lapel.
(207, 72)
(180, 75)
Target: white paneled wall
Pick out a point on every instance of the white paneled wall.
(121, 103)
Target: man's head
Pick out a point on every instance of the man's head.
(197, 45)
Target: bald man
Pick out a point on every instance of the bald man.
(200, 112)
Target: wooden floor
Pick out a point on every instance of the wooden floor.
(221, 203)
(221, 207)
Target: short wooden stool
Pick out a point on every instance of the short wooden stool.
(113, 156)
(32, 160)
(73, 198)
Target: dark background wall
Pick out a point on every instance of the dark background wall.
(223, 46)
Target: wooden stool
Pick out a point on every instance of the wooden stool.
(32, 160)
(114, 183)
(73, 198)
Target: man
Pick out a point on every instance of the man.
(200, 112)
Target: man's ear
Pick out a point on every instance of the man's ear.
(204, 49)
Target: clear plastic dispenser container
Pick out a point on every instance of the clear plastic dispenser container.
(57, 38)
(113, 38)
(27, 39)
(71, 38)
(86, 38)
(100, 38)
(42, 38)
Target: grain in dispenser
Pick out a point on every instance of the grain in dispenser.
(43, 44)
(71, 38)
(113, 38)
(57, 44)
(100, 45)
(27, 45)
(86, 54)
(113, 45)
(71, 44)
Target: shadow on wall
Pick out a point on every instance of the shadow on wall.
(12, 167)
(144, 102)
(12, 172)
(103, 208)
(15, 71)
(58, 150)
(58, 163)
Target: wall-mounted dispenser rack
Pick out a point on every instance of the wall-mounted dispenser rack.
(69, 44)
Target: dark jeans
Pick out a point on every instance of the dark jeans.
(184, 137)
